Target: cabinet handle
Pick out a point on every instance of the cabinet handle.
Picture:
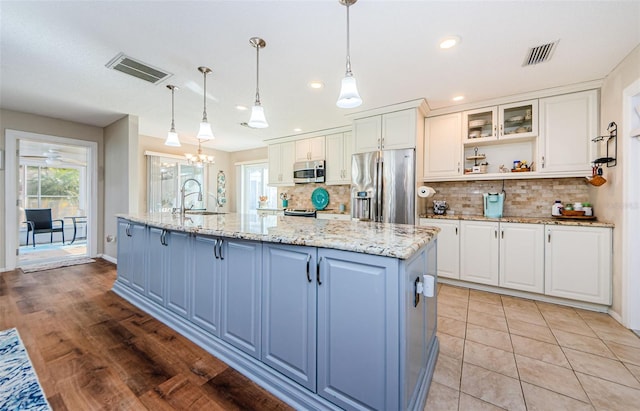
(215, 249)
(501, 233)
(318, 271)
(458, 166)
(495, 129)
(416, 294)
(220, 248)
(382, 146)
(542, 161)
(549, 236)
(495, 233)
(127, 230)
(308, 261)
(162, 237)
(456, 230)
(501, 133)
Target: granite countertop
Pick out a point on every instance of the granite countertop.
(528, 220)
(389, 240)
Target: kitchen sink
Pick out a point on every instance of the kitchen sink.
(203, 212)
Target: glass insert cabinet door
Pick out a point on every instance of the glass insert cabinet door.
(165, 176)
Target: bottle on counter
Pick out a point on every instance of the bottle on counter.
(556, 209)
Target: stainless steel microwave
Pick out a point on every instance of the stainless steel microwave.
(308, 172)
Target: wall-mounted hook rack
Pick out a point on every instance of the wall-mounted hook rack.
(612, 137)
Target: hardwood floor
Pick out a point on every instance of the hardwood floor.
(92, 350)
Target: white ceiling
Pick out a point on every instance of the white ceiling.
(53, 56)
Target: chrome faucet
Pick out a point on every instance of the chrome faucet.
(183, 195)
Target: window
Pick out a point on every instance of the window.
(57, 188)
(254, 185)
(165, 178)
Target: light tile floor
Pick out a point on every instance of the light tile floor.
(499, 352)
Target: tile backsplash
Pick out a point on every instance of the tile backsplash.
(524, 198)
(300, 195)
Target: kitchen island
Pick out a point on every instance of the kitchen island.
(323, 314)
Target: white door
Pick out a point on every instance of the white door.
(448, 246)
(442, 146)
(522, 256)
(578, 263)
(479, 252)
(89, 186)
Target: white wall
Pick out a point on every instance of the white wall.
(121, 182)
(609, 198)
(14, 120)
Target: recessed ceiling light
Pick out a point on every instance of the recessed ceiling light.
(297, 130)
(458, 98)
(241, 107)
(316, 84)
(449, 42)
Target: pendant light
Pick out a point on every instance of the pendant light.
(349, 97)
(172, 137)
(257, 120)
(205, 132)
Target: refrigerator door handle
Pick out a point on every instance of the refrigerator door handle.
(380, 189)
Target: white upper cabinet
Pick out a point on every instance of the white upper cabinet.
(399, 130)
(367, 133)
(442, 154)
(568, 123)
(338, 164)
(310, 149)
(281, 159)
(388, 131)
(507, 121)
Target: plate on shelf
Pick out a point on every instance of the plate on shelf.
(515, 119)
(477, 123)
(320, 198)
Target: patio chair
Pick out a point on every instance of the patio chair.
(39, 221)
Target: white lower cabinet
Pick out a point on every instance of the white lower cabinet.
(578, 263)
(448, 246)
(479, 253)
(565, 261)
(522, 256)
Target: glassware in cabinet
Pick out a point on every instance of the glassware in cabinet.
(518, 119)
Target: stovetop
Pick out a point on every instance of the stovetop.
(300, 212)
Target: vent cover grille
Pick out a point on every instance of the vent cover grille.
(138, 69)
(540, 54)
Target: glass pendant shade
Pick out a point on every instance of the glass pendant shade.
(258, 120)
(349, 97)
(205, 132)
(172, 139)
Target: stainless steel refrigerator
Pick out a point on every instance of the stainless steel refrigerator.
(383, 186)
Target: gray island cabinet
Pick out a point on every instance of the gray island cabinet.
(323, 314)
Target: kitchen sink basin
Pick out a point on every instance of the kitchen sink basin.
(203, 212)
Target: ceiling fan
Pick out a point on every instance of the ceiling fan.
(54, 157)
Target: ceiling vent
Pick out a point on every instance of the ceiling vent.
(136, 68)
(540, 54)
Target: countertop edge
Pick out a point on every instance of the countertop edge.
(409, 239)
(524, 220)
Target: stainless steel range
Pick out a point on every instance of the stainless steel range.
(300, 212)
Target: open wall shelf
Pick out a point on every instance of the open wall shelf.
(610, 158)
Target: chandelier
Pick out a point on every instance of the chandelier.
(199, 159)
